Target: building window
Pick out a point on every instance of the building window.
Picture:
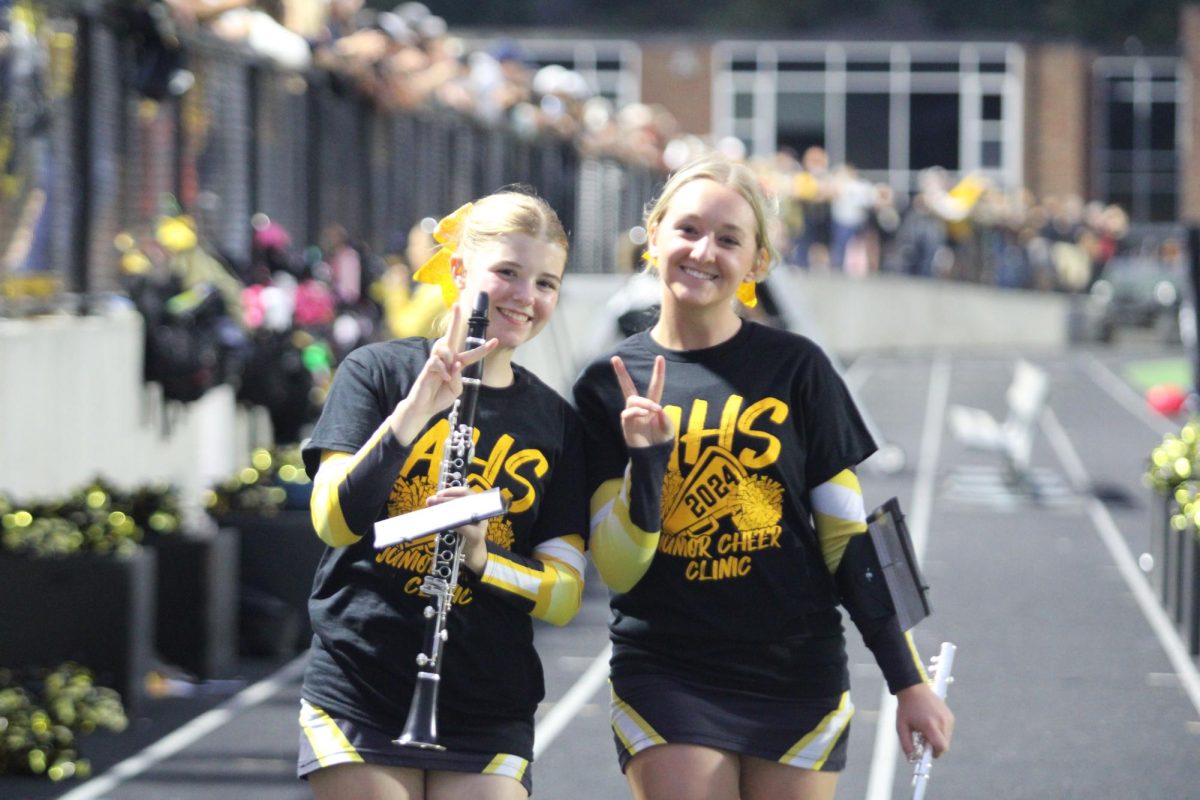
(867, 123)
(890, 108)
(1136, 156)
(800, 120)
(934, 129)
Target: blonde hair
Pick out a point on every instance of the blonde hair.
(505, 213)
(736, 176)
(509, 212)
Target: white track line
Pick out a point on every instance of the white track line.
(560, 715)
(1124, 394)
(1135, 580)
(190, 733)
(856, 374)
(887, 743)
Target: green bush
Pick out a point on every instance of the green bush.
(95, 519)
(41, 714)
(274, 480)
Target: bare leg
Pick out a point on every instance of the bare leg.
(367, 782)
(442, 785)
(683, 772)
(769, 780)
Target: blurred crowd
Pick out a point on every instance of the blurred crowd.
(406, 58)
(276, 322)
(276, 325)
(832, 217)
(962, 229)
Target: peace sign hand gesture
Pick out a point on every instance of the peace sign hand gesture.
(643, 421)
(440, 380)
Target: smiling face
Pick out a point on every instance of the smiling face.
(521, 275)
(705, 245)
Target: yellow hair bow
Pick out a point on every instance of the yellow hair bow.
(437, 269)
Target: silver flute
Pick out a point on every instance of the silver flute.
(420, 729)
(943, 665)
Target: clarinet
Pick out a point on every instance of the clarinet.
(943, 664)
(420, 729)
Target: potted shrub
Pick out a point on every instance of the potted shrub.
(267, 503)
(42, 713)
(73, 592)
(1173, 476)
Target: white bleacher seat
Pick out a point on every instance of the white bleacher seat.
(1013, 438)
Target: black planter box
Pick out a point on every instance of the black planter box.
(1188, 617)
(197, 605)
(95, 610)
(1174, 569)
(1161, 539)
(278, 558)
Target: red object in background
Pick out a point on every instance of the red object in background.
(1166, 398)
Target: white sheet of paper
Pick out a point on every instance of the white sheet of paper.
(444, 516)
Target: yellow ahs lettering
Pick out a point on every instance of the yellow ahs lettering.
(522, 468)
(524, 495)
(491, 466)
(776, 412)
(675, 414)
(427, 450)
(693, 440)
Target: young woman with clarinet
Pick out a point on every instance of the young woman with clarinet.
(376, 453)
(729, 523)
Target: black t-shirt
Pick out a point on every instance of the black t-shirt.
(367, 616)
(738, 593)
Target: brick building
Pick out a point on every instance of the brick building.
(1056, 117)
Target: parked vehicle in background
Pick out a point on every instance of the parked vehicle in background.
(1139, 291)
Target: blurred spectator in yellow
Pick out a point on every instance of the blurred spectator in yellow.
(409, 308)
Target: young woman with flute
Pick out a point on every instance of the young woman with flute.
(728, 521)
(376, 453)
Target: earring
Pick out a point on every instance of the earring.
(651, 261)
(747, 293)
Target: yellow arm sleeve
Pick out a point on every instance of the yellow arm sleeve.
(839, 515)
(550, 584)
(841, 519)
(335, 517)
(325, 505)
(621, 550)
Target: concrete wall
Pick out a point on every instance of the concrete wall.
(891, 312)
(73, 405)
(846, 315)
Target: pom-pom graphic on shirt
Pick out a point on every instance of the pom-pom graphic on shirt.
(760, 503)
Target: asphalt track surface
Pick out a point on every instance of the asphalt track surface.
(1069, 680)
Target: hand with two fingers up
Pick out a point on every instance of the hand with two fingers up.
(440, 381)
(643, 422)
